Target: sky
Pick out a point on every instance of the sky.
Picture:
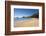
(20, 12)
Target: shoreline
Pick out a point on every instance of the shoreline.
(27, 23)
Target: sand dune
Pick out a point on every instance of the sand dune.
(27, 23)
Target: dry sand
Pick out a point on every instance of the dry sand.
(27, 23)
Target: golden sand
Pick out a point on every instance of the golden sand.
(27, 23)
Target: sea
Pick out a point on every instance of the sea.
(22, 18)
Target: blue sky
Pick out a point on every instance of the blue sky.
(20, 12)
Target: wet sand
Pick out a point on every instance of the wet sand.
(27, 23)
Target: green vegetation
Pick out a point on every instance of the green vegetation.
(36, 15)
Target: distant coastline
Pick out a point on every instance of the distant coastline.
(36, 15)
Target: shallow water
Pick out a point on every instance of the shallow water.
(22, 18)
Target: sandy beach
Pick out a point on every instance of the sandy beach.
(27, 23)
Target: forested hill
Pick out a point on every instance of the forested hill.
(36, 15)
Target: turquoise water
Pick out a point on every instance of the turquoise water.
(22, 18)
